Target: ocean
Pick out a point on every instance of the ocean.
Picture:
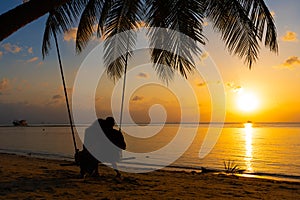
(260, 149)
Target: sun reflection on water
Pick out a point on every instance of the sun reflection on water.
(248, 145)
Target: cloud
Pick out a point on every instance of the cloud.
(30, 50)
(204, 55)
(7, 86)
(234, 87)
(11, 48)
(143, 75)
(32, 59)
(57, 96)
(137, 98)
(56, 100)
(205, 22)
(290, 36)
(99, 98)
(69, 91)
(4, 84)
(290, 63)
(33, 113)
(22, 85)
(273, 14)
(70, 35)
(201, 84)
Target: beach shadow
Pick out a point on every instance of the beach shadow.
(34, 184)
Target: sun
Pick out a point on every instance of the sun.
(247, 101)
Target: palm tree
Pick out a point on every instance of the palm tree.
(16, 18)
(242, 24)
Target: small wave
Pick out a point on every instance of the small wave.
(274, 176)
(38, 154)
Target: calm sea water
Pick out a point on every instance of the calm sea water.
(271, 149)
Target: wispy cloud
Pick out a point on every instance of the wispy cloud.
(30, 50)
(137, 98)
(143, 75)
(273, 13)
(32, 59)
(290, 63)
(290, 36)
(57, 96)
(69, 90)
(70, 35)
(201, 84)
(204, 55)
(21, 85)
(4, 84)
(234, 87)
(55, 100)
(12, 48)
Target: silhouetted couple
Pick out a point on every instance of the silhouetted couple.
(101, 143)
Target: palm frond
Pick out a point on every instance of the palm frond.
(124, 15)
(103, 16)
(157, 12)
(60, 20)
(242, 24)
(117, 50)
(87, 22)
(264, 20)
(183, 18)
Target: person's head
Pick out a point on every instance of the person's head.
(110, 121)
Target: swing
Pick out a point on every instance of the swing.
(79, 154)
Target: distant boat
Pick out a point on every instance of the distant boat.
(20, 122)
(249, 122)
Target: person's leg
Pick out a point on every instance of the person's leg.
(114, 165)
(95, 169)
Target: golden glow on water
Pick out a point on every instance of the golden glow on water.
(248, 146)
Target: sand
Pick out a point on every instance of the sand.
(34, 178)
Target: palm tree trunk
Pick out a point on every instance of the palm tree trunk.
(25, 13)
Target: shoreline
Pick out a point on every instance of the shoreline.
(26, 177)
(258, 175)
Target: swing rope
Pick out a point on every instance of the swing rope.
(65, 91)
(124, 83)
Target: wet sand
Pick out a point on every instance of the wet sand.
(34, 178)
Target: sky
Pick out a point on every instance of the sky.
(31, 87)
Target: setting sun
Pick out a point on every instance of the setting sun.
(247, 101)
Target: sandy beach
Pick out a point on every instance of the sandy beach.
(34, 178)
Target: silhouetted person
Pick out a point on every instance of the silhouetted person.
(117, 139)
(105, 143)
(87, 162)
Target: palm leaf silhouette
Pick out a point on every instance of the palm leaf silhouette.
(242, 24)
